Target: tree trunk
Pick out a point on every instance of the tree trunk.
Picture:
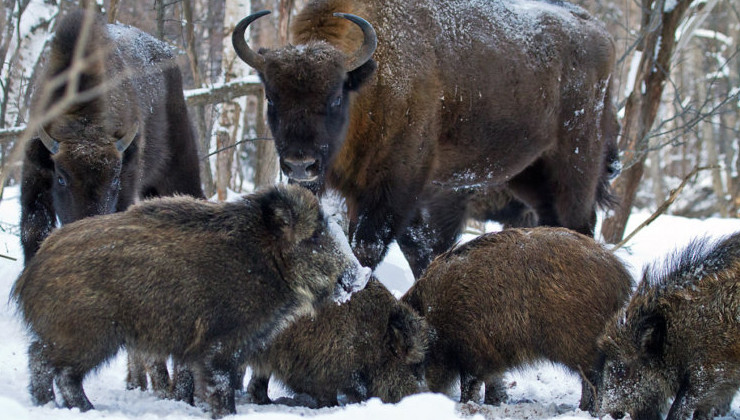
(659, 31)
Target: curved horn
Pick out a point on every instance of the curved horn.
(369, 43)
(247, 55)
(123, 143)
(49, 142)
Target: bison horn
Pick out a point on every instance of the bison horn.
(123, 143)
(49, 142)
(253, 59)
(369, 43)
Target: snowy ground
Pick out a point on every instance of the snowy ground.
(539, 392)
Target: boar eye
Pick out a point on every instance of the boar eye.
(61, 181)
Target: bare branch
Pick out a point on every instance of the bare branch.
(666, 204)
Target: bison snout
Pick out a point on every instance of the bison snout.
(301, 170)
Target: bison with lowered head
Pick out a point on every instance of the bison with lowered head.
(461, 99)
(125, 134)
(178, 276)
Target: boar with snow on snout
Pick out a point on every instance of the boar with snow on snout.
(200, 281)
(372, 346)
(678, 337)
(511, 298)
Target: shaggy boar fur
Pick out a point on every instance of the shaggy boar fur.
(511, 298)
(679, 337)
(177, 276)
(372, 346)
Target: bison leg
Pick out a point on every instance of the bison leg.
(257, 388)
(433, 230)
(69, 383)
(42, 374)
(469, 388)
(495, 391)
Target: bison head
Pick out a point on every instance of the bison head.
(307, 89)
(87, 174)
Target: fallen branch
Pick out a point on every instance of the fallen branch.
(666, 204)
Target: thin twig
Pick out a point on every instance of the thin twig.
(667, 203)
(8, 257)
(215, 152)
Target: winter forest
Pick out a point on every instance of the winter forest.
(676, 86)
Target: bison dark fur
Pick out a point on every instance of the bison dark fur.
(678, 337)
(508, 299)
(178, 276)
(131, 139)
(371, 346)
(461, 98)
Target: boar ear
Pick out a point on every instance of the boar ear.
(408, 334)
(290, 213)
(651, 335)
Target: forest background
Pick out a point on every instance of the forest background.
(676, 85)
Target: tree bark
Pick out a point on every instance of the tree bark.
(659, 32)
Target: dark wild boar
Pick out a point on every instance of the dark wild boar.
(178, 276)
(371, 346)
(126, 136)
(511, 298)
(678, 337)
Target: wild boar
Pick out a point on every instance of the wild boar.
(678, 337)
(178, 276)
(371, 346)
(508, 299)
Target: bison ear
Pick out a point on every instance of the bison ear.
(357, 77)
(651, 336)
(290, 213)
(408, 334)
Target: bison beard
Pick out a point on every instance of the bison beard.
(505, 103)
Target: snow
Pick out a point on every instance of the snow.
(544, 391)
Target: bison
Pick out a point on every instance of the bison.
(678, 337)
(461, 99)
(508, 299)
(372, 346)
(200, 281)
(125, 134)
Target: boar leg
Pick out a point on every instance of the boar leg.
(136, 376)
(139, 364)
(218, 366)
(495, 391)
(42, 374)
(157, 369)
(588, 397)
(183, 383)
(469, 388)
(257, 388)
(69, 383)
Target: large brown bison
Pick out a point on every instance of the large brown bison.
(462, 98)
(126, 134)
